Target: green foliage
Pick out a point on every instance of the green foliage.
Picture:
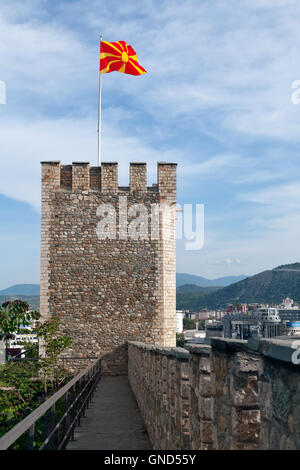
(14, 318)
(25, 384)
(54, 343)
(18, 392)
(189, 324)
(31, 349)
(180, 340)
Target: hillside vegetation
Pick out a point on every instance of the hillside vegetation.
(270, 287)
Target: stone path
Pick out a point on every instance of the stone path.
(113, 420)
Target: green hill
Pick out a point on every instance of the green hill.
(189, 294)
(270, 287)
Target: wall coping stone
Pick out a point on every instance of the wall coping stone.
(179, 353)
(167, 163)
(199, 349)
(279, 348)
(228, 345)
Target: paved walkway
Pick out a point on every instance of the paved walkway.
(113, 420)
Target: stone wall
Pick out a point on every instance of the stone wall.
(108, 291)
(159, 379)
(231, 395)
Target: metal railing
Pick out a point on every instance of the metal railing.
(52, 424)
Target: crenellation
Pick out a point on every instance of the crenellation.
(166, 176)
(80, 176)
(138, 177)
(109, 177)
(50, 176)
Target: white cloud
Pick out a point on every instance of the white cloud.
(24, 145)
(283, 196)
(213, 165)
(227, 262)
(229, 58)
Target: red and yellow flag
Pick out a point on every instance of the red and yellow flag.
(119, 57)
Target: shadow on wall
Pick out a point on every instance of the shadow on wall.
(116, 361)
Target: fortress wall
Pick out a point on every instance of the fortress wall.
(159, 379)
(108, 291)
(231, 395)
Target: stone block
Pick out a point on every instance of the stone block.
(246, 425)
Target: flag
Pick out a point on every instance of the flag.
(119, 57)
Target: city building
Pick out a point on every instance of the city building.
(291, 328)
(213, 328)
(264, 322)
(179, 321)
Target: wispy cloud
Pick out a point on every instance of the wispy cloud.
(227, 262)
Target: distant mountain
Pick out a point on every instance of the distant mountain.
(183, 278)
(192, 288)
(186, 294)
(22, 289)
(270, 287)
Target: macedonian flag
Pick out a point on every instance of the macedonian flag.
(119, 57)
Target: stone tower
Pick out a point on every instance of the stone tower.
(108, 291)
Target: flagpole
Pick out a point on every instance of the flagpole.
(99, 114)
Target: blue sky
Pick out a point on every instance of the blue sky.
(216, 99)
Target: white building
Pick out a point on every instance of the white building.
(179, 320)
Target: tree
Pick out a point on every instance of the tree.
(14, 318)
(180, 340)
(54, 343)
(24, 384)
(189, 323)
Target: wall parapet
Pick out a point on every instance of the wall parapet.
(81, 176)
(179, 353)
(159, 378)
(232, 394)
(279, 348)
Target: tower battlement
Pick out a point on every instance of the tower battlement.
(81, 176)
(108, 291)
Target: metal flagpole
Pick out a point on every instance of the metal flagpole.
(99, 114)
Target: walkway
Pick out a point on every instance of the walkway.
(113, 420)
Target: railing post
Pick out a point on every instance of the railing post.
(31, 437)
(52, 426)
(46, 425)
